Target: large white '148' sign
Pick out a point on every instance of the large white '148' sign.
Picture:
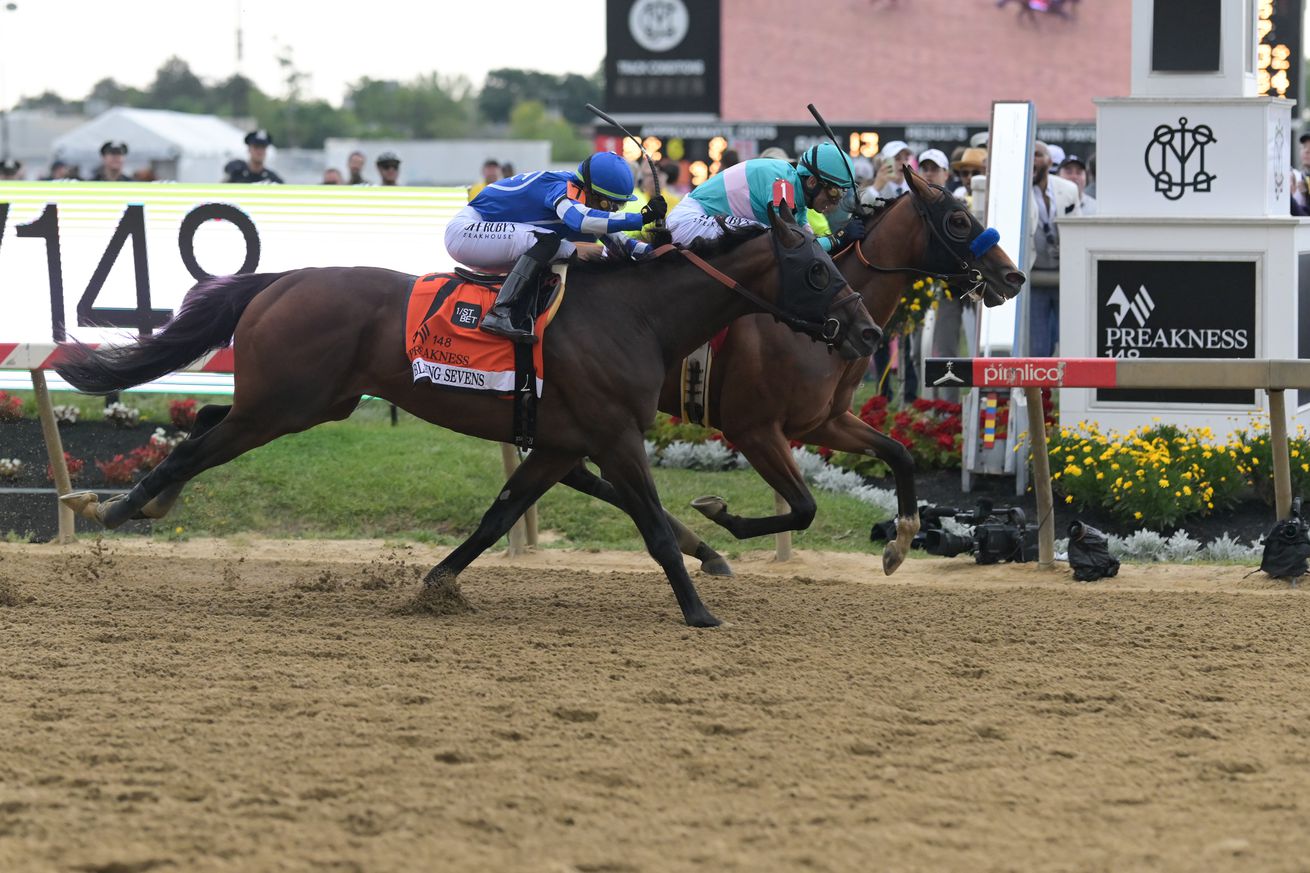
(90, 260)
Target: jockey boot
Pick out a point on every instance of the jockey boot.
(519, 287)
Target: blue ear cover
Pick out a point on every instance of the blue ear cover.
(983, 242)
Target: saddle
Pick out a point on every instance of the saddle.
(445, 346)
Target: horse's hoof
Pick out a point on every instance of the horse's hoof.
(702, 618)
(83, 503)
(716, 566)
(709, 506)
(892, 557)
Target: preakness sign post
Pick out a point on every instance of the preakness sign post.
(1192, 253)
(98, 261)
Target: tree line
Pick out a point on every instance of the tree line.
(520, 104)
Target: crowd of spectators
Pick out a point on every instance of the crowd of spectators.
(253, 169)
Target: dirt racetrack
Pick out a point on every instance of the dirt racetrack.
(253, 705)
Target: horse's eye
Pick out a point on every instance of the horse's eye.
(818, 276)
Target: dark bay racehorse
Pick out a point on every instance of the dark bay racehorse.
(309, 343)
(760, 406)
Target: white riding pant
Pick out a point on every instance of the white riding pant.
(688, 222)
(493, 246)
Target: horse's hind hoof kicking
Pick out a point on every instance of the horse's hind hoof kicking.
(709, 506)
(110, 514)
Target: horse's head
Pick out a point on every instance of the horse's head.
(959, 248)
(813, 296)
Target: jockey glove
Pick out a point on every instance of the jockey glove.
(654, 210)
(854, 231)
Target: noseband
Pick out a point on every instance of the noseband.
(943, 244)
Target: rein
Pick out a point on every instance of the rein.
(829, 329)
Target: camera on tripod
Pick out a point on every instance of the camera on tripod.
(998, 535)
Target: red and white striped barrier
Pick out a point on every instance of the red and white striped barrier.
(1273, 376)
(44, 356)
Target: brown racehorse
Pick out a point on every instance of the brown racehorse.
(309, 343)
(760, 406)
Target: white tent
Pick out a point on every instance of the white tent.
(175, 145)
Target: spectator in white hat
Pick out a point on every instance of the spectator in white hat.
(1074, 169)
(935, 167)
(890, 180)
(1057, 154)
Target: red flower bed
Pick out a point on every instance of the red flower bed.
(120, 469)
(183, 414)
(930, 429)
(74, 465)
(11, 408)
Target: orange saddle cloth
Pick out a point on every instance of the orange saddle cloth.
(445, 346)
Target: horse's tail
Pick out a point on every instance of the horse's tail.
(206, 320)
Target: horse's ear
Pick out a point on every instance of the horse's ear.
(918, 184)
(784, 225)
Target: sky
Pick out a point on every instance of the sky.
(66, 46)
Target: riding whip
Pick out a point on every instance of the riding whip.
(649, 162)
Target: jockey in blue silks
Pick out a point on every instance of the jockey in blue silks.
(741, 194)
(523, 223)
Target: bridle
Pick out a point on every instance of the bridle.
(800, 273)
(944, 244)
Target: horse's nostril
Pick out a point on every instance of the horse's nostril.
(869, 335)
(1015, 278)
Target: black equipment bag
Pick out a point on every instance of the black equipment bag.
(1287, 546)
(1089, 553)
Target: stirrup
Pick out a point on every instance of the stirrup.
(502, 325)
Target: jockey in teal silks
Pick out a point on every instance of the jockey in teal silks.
(523, 223)
(741, 194)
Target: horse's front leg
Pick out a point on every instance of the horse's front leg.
(623, 464)
(849, 433)
(539, 471)
(769, 453)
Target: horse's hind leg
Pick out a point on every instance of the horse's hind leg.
(711, 562)
(770, 455)
(849, 433)
(531, 479)
(206, 418)
(242, 429)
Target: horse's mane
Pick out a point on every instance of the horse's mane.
(732, 238)
(880, 209)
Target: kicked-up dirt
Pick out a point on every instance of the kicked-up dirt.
(259, 705)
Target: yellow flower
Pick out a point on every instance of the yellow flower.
(1187, 489)
(1164, 483)
(1099, 475)
(1137, 514)
(1068, 498)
